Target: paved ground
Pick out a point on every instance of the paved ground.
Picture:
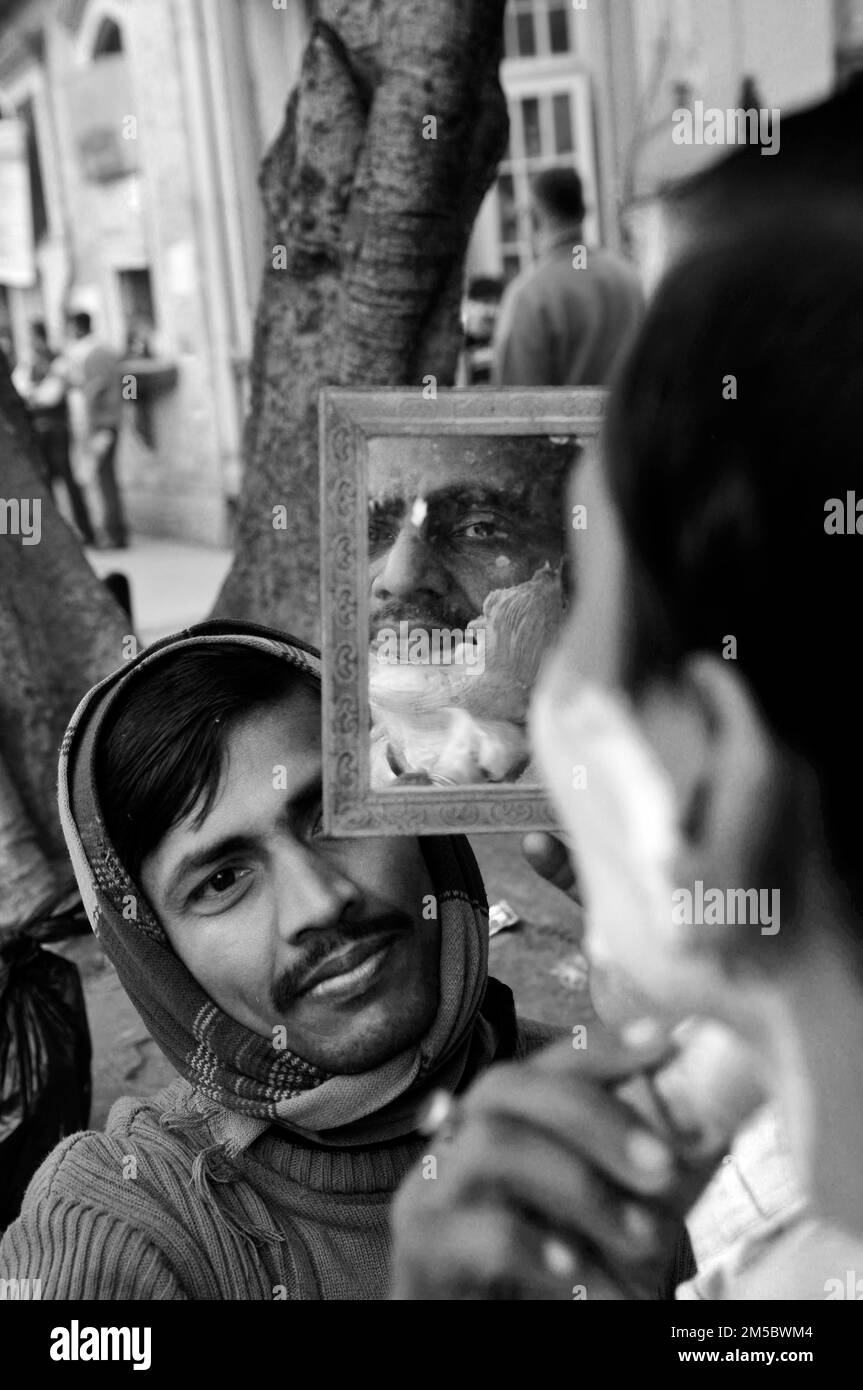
(174, 585)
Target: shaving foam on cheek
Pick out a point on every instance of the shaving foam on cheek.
(617, 804)
(621, 815)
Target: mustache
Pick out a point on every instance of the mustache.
(325, 944)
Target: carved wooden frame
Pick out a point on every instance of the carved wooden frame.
(348, 418)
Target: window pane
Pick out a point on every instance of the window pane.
(526, 35)
(562, 124)
(37, 192)
(511, 265)
(558, 29)
(108, 40)
(510, 47)
(508, 220)
(530, 119)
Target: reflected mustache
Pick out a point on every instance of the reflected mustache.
(328, 943)
(391, 613)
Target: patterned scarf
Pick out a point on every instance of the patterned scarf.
(248, 1083)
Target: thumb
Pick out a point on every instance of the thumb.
(598, 1053)
(549, 857)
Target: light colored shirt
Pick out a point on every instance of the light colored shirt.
(753, 1232)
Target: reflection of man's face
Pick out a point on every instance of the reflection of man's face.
(444, 532)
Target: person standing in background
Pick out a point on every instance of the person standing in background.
(96, 373)
(566, 320)
(40, 381)
(479, 315)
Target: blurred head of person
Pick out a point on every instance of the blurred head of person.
(80, 324)
(557, 206)
(479, 308)
(708, 681)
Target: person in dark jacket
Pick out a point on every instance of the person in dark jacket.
(567, 319)
(41, 382)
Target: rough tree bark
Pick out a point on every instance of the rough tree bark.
(60, 631)
(375, 220)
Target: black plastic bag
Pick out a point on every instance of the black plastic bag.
(44, 1063)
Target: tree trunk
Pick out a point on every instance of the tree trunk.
(374, 219)
(373, 205)
(60, 632)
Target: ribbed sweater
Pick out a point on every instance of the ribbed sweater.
(127, 1215)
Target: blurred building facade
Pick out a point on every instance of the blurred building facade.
(131, 139)
(143, 124)
(594, 83)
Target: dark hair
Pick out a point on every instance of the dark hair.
(560, 193)
(820, 160)
(162, 749)
(736, 417)
(82, 322)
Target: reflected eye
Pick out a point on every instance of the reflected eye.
(382, 533)
(483, 528)
(380, 538)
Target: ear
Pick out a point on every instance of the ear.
(727, 770)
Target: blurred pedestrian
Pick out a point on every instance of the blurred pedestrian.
(40, 380)
(566, 319)
(479, 316)
(96, 404)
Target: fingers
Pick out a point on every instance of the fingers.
(605, 1056)
(549, 858)
(484, 1252)
(550, 1184)
(491, 1253)
(576, 1123)
(561, 1190)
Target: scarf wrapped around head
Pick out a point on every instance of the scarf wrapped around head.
(249, 1083)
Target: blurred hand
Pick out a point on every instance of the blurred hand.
(549, 857)
(550, 1186)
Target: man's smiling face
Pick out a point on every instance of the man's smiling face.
(284, 928)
